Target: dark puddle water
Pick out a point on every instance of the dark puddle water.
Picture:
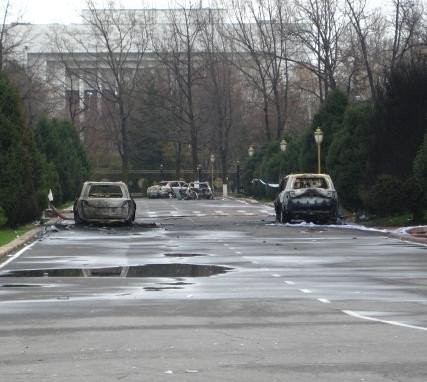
(183, 254)
(149, 270)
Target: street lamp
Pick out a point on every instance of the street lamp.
(283, 145)
(238, 176)
(199, 171)
(251, 151)
(212, 168)
(161, 172)
(318, 137)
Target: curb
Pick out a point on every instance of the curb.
(19, 242)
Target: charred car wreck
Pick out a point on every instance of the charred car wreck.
(104, 202)
(309, 197)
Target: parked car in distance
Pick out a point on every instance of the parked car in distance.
(166, 189)
(309, 197)
(199, 190)
(104, 202)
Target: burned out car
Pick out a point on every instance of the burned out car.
(309, 197)
(166, 189)
(104, 202)
(199, 190)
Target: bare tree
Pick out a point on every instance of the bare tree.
(259, 40)
(221, 86)
(319, 27)
(408, 27)
(109, 62)
(179, 53)
(362, 22)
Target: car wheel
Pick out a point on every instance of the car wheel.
(170, 195)
(77, 219)
(278, 213)
(284, 217)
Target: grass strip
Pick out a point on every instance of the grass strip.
(9, 234)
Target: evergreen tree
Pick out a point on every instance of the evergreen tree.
(329, 119)
(59, 142)
(18, 193)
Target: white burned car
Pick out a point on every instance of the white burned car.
(309, 197)
(104, 202)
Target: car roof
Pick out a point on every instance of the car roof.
(309, 175)
(91, 183)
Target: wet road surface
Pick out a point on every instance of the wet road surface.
(215, 291)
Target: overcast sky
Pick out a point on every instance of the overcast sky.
(68, 11)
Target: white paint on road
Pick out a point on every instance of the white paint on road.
(324, 300)
(305, 291)
(289, 282)
(17, 254)
(363, 316)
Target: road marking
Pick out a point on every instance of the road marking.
(289, 282)
(238, 253)
(220, 213)
(305, 291)
(17, 254)
(395, 323)
(324, 300)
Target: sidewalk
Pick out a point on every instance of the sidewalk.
(415, 234)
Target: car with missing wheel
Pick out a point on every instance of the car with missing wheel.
(199, 190)
(309, 197)
(166, 189)
(104, 202)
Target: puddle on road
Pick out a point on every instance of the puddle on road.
(149, 270)
(20, 286)
(183, 254)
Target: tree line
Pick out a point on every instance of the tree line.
(34, 161)
(374, 151)
(173, 88)
(181, 85)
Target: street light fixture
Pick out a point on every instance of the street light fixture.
(161, 172)
(283, 145)
(251, 151)
(199, 172)
(318, 137)
(212, 168)
(238, 176)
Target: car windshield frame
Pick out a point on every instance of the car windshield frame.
(304, 182)
(113, 191)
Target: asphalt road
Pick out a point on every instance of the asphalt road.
(215, 292)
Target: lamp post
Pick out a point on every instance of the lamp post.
(318, 137)
(238, 176)
(283, 147)
(251, 151)
(161, 172)
(212, 170)
(199, 172)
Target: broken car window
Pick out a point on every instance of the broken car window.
(105, 191)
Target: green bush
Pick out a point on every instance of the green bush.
(3, 218)
(18, 193)
(386, 196)
(67, 163)
(348, 153)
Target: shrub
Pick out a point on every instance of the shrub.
(386, 197)
(3, 218)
